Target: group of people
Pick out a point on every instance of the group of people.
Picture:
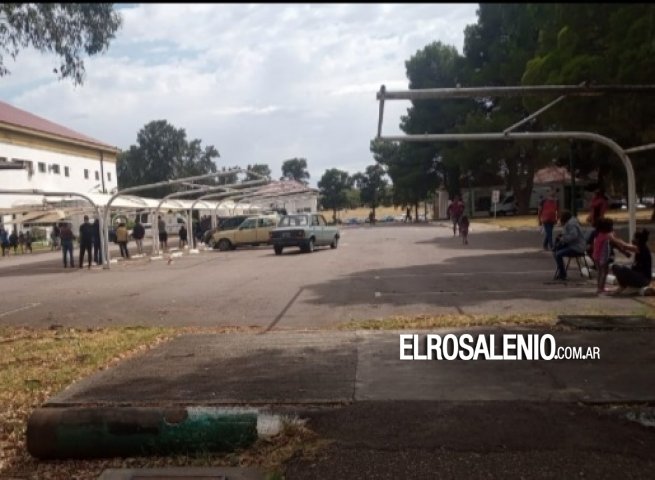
(9, 241)
(89, 239)
(600, 244)
(460, 220)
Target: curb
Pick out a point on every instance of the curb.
(87, 432)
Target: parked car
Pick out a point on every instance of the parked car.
(224, 223)
(306, 231)
(253, 231)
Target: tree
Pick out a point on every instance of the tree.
(295, 169)
(372, 186)
(68, 29)
(163, 153)
(602, 44)
(334, 185)
(260, 168)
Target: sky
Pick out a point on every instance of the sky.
(262, 82)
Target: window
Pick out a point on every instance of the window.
(97, 175)
(55, 168)
(109, 176)
(266, 222)
(86, 174)
(248, 224)
(26, 164)
(41, 167)
(66, 172)
(321, 220)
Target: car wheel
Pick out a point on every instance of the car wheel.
(335, 242)
(224, 245)
(278, 250)
(310, 245)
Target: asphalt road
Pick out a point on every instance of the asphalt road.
(375, 272)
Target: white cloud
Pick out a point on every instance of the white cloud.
(262, 83)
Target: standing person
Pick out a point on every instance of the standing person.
(138, 232)
(455, 212)
(570, 243)
(464, 228)
(21, 242)
(97, 251)
(602, 251)
(86, 240)
(67, 237)
(121, 238)
(640, 273)
(163, 235)
(4, 240)
(54, 237)
(598, 207)
(13, 241)
(547, 214)
(183, 236)
(28, 241)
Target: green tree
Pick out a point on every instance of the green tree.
(295, 169)
(602, 44)
(372, 186)
(70, 30)
(163, 153)
(333, 186)
(260, 168)
(417, 169)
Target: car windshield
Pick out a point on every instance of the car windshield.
(294, 221)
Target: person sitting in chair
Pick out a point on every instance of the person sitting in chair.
(570, 243)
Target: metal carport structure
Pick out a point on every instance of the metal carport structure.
(508, 135)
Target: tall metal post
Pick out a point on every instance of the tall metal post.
(574, 204)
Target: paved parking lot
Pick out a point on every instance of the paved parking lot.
(375, 272)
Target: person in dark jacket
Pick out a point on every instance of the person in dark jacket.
(86, 240)
(97, 251)
(640, 274)
(138, 232)
(183, 236)
(67, 237)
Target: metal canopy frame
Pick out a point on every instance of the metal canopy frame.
(44, 193)
(150, 186)
(509, 135)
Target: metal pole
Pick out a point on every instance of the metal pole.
(62, 194)
(574, 206)
(588, 136)
(482, 92)
(148, 187)
(383, 89)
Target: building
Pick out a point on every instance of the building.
(55, 158)
(553, 178)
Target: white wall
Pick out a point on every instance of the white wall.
(75, 182)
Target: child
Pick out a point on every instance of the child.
(602, 251)
(464, 228)
(604, 242)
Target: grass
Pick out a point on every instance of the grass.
(36, 364)
(524, 221)
(422, 322)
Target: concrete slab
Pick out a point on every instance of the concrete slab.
(338, 367)
(606, 322)
(182, 473)
(615, 377)
(316, 368)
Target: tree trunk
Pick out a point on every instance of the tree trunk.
(416, 212)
